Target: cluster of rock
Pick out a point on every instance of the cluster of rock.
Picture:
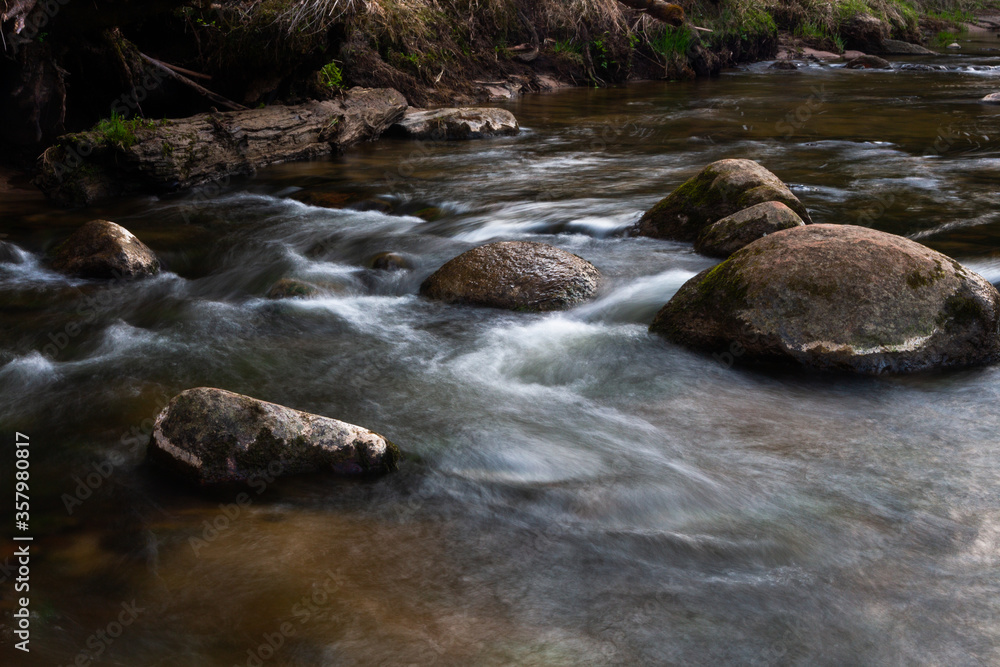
(825, 296)
(726, 205)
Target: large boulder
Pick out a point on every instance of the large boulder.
(864, 32)
(719, 190)
(102, 249)
(516, 275)
(213, 436)
(733, 232)
(838, 297)
(465, 123)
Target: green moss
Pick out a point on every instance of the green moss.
(723, 288)
(961, 310)
(916, 279)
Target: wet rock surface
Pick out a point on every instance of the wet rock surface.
(516, 275)
(838, 297)
(103, 249)
(719, 190)
(728, 235)
(213, 436)
(455, 123)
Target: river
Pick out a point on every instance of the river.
(574, 490)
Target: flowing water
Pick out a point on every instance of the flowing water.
(575, 490)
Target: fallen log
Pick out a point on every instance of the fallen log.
(170, 155)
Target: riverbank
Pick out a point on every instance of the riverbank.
(66, 68)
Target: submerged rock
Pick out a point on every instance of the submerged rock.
(464, 123)
(213, 436)
(389, 261)
(783, 64)
(719, 190)
(288, 288)
(103, 249)
(838, 297)
(868, 62)
(731, 233)
(516, 275)
(895, 47)
(342, 200)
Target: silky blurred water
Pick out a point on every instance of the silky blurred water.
(575, 491)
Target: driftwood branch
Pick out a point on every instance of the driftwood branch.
(181, 70)
(218, 99)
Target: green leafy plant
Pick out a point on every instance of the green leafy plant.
(117, 131)
(331, 76)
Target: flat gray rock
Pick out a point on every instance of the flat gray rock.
(455, 123)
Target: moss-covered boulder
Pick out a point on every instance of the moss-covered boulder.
(740, 229)
(516, 275)
(103, 249)
(213, 436)
(838, 297)
(719, 190)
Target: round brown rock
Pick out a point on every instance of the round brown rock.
(740, 229)
(838, 297)
(389, 261)
(102, 249)
(516, 275)
(719, 190)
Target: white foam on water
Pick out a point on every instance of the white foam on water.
(28, 269)
(636, 301)
(987, 268)
(32, 368)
